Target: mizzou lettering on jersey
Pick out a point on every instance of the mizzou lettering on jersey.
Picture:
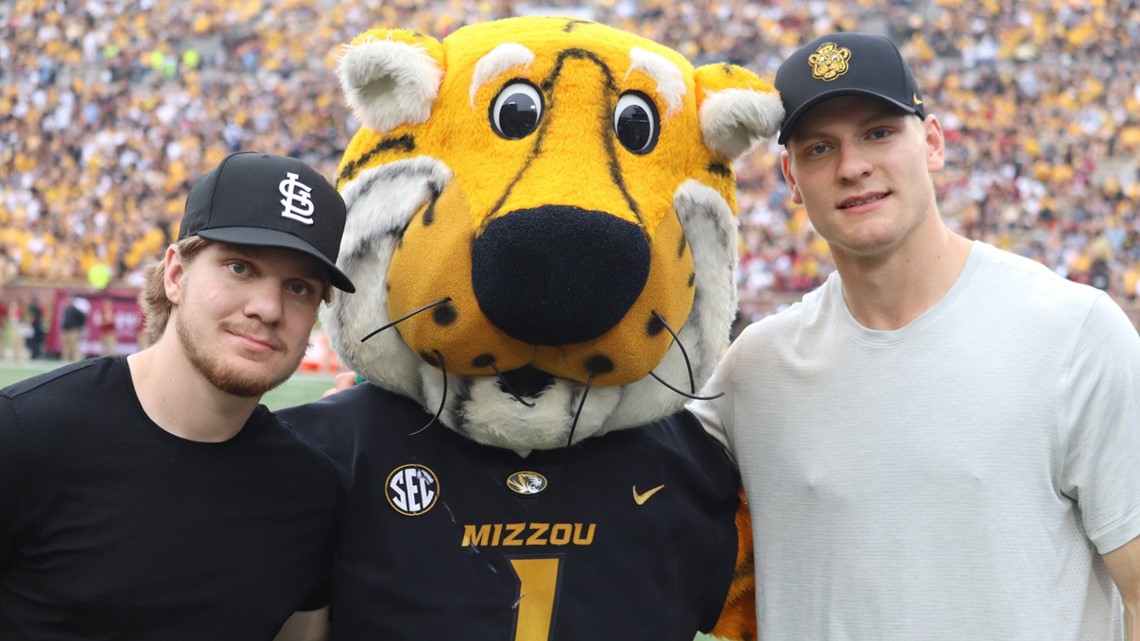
(524, 534)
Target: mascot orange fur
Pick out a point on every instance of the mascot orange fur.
(542, 234)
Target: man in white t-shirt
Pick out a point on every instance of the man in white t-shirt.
(943, 440)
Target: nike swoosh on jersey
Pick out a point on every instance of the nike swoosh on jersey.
(640, 499)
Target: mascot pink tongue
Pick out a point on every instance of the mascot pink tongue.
(547, 207)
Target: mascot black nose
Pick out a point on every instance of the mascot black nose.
(558, 275)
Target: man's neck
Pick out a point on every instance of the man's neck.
(890, 291)
(179, 400)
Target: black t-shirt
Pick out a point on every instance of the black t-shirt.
(112, 528)
(630, 535)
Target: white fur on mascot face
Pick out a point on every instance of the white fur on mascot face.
(558, 197)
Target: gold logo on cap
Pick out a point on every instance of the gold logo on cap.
(829, 61)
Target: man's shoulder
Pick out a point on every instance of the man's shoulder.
(360, 398)
(289, 447)
(809, 309)
(340, 417)
(50, 384)
(53, 409)
(1016, 277)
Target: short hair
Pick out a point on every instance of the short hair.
(152, 299)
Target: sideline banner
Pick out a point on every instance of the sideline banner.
(125, 314)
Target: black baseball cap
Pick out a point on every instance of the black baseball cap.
(845, 64)
(270, 201)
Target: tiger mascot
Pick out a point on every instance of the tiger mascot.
(541, 228)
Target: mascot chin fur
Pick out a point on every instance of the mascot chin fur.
(542, 232)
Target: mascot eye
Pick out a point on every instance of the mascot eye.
(516, 110)
(635, 122)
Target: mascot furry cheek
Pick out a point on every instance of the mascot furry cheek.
(542, 220)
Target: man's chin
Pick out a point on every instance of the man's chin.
(235, 382)
(237, 372)
(240, 387)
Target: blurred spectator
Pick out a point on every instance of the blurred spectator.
(5, 324)
(13, 328)
(73, 323)
(34, 313)
(107, 339)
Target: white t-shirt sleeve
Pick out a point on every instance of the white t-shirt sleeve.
(718, 415)
(1102, 459)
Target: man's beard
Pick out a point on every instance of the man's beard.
(229, 380)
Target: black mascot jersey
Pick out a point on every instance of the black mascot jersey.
(444, 538)
(113, 528)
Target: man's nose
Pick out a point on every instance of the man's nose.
(266, 300)
(853, 162)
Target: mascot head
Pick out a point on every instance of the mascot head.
(541, 224)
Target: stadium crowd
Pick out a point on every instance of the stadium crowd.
(109, 107)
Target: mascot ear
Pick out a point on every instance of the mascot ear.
(737, 109)
(391, 77)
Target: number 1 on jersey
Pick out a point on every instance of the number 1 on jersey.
(538, 592)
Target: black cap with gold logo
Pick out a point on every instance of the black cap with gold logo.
(845, 64)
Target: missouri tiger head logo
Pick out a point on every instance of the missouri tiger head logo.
(541, 224)
(829, 61)
(526, 483)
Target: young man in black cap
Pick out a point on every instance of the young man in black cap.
(150, 496)
(943, 440)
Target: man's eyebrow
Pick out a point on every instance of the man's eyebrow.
(313, 270)
(881, 112)
(247, 251)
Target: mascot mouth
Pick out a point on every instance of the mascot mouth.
(525, 382)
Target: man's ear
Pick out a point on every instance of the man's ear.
(173, 271)
(935, 143)
(786, 167)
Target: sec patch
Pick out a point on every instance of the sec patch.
(412, 489)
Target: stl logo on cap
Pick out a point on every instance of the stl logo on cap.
(297, 202)
(829, 61)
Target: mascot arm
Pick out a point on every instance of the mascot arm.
(738, 618)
